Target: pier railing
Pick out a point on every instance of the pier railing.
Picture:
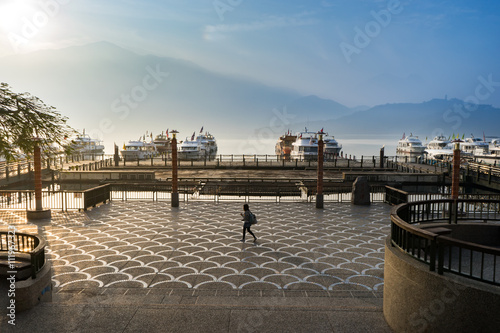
(237, 190)
(11, 170)
(394, 196)
(58, 200)
(413, 233)
(260, 161)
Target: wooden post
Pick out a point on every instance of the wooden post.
(175, 194)
(38, 178)
(455, 183)
(382, 157)
(116, 156)
(319, 190)
(38, 213)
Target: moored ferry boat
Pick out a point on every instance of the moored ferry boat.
(474, 146)
(84, 145)
(163, 143)
(493, 155)
(331, 148)
(204, 146)
(305, 146)
(138, 150)
(410, 145)
(439, 148)
(284, 146)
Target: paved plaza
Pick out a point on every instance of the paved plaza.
(144, 266)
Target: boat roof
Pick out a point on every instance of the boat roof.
(411, 139)
(138, 144)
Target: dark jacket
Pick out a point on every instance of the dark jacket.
(246, 219)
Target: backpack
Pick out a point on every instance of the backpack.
(252, 219)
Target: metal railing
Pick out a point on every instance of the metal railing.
(244, 190)
(394, 196)
(256, 161)
(227, 189)
(60, 200)
(22, 167)
(441, 252)
(96, 195)
(22, 243)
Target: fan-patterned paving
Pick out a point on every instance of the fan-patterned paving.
(151, 245)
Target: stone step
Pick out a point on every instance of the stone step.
(302, 300)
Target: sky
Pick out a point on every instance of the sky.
(356, 52)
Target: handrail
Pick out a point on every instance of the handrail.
(440, 251)
(33, 245)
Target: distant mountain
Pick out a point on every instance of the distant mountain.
(437, 116)
(107, 89)
(118, 95)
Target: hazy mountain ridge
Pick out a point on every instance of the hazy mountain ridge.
(119, 95)
(430, 118)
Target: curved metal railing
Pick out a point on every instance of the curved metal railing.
(433, 246)
(22, 243)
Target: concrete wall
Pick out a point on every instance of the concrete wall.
(393, 177)
(31, 292)
(102, 175)
(417, 300)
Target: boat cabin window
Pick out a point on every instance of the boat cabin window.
(309, 149)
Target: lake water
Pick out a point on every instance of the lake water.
(355, 145)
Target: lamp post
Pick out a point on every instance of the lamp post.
(319, 190)
(175, 193)
(455, 180)
(39, 212)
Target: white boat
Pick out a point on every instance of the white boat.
(474, 146)
(305, 146)
(439, 148)
(163, 143)
(410, 145)
(204, 146)
(86, 146)
(138, 150)
(493, 155)
(331, 148)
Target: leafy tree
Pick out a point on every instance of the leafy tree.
(23, 118)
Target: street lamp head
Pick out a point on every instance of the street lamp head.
(321, 133)
(456, 144)
(174, 132)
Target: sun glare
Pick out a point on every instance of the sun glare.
(12, 14)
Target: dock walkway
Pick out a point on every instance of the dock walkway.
(147, 267)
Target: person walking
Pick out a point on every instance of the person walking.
(247, 223)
